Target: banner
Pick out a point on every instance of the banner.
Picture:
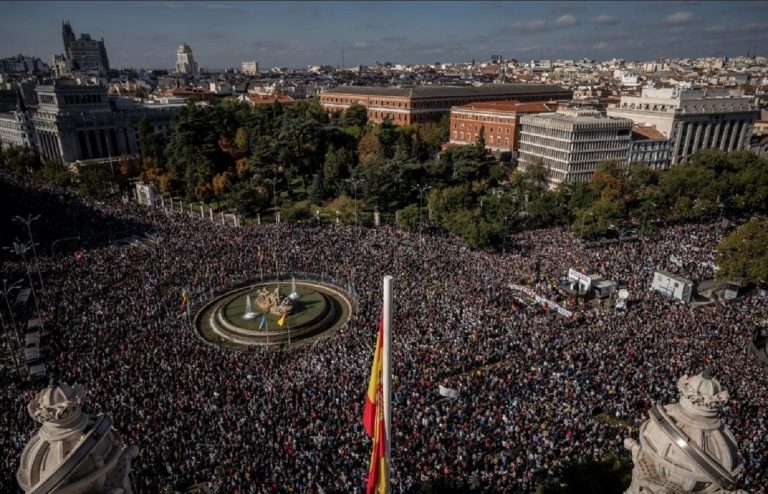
(447, 392)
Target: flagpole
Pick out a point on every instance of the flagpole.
(386, 370)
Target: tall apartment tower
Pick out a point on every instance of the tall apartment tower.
(185, 61)
(250, 68)
(693, 119)
(571, 142)
(84, 54)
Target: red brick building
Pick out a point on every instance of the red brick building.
(407, 105)
(499, 119)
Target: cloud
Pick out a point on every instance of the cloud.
(602, 46)
(679, 18)
(719, 28)
(538, 25)
(604, 20)
(565, 21)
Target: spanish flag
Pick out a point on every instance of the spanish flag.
(373, 421)
(371, 398)
(378, 473)
(281, 321)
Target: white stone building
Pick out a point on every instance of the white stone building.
(250, 68)
(692, 119)
(185, 61)
(571, 142)
(17, 129)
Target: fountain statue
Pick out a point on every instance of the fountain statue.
(273, 302)
(249, 314)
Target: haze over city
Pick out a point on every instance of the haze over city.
(292, 34)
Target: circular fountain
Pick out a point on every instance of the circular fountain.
(274, 313)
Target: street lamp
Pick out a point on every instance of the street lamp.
(421, 189)
(21, 249)
(274, 182)
(355, 182)
(6, 290)
(27, 221)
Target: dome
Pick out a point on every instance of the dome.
(685, 447)
(72, 452)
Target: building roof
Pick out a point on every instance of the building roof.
(260, 99)
(437, 91)
(510, 106)
(641, 133)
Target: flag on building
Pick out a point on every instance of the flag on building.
(281, 321)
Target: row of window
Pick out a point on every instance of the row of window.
(473, 137)
(483, 118)
(489, 130)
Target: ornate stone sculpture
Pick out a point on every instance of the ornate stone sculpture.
(73, 452)
(273, 302)
(684, 447)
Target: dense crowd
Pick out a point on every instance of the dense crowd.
(537, 390)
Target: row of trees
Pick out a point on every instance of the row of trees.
(242, 155)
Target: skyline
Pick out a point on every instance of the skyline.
(296, 34)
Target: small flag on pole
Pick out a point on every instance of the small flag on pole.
(281, 321)
(184, 299)
(263, 322)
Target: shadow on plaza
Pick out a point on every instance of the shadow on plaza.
(66, 223)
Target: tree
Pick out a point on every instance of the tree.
(356, 115)
(93, 180)
(368, 146)
(241, 140)
(248, 197)
(744, 253)
(480, 141)
(408, 216)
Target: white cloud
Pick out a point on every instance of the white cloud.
(680, 18)
(565, 21)
(604, 20)
(602, 45)
(538, 25)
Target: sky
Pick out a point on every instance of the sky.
(296, 34)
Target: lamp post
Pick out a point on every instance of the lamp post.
(27, 221)
(355, 182)
(21, 250)
(421, 189)
(6, 290)
(274, 182)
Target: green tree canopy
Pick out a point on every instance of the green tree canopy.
(744, 253)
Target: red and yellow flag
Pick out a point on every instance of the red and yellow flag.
(373, 421)
(371, 398)
(378, 472)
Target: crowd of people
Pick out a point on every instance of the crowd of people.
(537, 391)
